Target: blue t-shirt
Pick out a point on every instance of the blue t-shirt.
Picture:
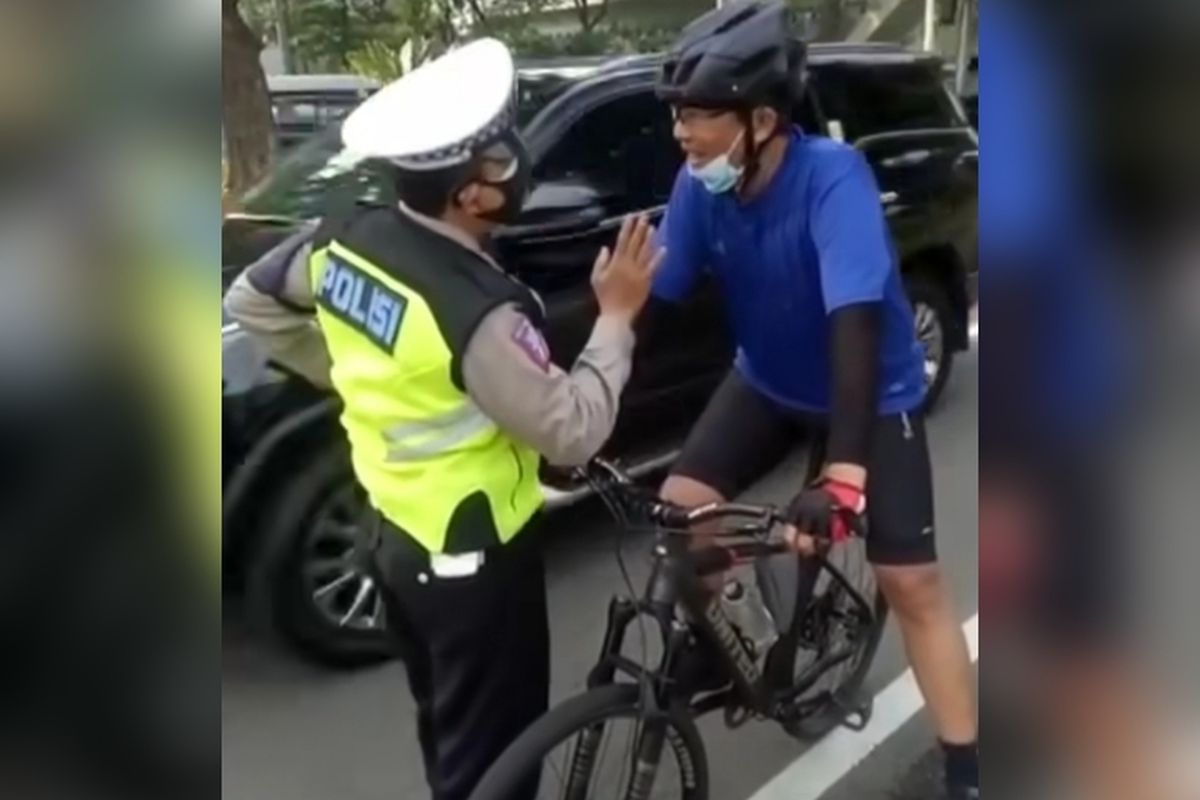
(813, 241)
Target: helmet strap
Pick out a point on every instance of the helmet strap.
(750, 169)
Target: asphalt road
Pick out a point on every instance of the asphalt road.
(295, 732)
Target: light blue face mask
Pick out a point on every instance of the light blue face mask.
(719, 175)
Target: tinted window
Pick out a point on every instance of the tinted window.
(315, 177)
(883, 100)
(534, 92)
(317, 110)
(622, 148)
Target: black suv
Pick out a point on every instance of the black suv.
(602, 147)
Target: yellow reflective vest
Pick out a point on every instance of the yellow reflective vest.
(397, 303)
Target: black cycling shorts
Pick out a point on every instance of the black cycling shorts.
(742, 435)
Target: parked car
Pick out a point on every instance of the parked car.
(969, 97)
(301, 105)
(602, 147)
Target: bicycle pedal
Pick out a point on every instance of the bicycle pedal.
(736, 715)
(856, 712)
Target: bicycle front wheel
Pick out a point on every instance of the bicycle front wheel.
(594, 747)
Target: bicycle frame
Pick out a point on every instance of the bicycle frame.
(677, 581)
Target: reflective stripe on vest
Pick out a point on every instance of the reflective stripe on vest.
(430, 461)
(414, 440)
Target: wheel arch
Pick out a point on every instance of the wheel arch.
(943, 265)
(295, 433)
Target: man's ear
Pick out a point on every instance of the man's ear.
(766, 122)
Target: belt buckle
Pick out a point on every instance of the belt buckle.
(456, 565)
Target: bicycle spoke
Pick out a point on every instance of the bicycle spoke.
(608, 729)
(629, 756)
(580, 768)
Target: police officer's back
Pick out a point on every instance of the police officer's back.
(449, 393)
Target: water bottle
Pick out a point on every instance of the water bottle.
(745, 608)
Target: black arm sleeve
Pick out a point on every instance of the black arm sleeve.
(854, 359)
(657, 316)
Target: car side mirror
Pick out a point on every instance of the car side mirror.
(558, 225)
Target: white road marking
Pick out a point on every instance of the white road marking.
(827, 761)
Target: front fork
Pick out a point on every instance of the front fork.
(649, 752)
(652, 732)
(621, 613)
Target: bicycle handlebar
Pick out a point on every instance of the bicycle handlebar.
(608, 478)
(618, 486)
(672, 516)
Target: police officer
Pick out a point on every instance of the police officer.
(449, 392)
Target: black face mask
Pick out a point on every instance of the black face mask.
(515, 188)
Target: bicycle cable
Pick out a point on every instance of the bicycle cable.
(609, 496)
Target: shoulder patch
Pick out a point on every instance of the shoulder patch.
(532, 343)
(362, 302)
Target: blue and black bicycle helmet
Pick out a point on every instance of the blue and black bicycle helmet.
(740, 56)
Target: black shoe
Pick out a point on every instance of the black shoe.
(701, 669)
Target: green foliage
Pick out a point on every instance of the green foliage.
(380, 60)
(384, 38)
(606, 39)
(637, 39)
(331, 34)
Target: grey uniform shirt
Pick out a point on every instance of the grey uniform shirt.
(565, 416)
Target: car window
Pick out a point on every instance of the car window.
(315, 110)
(874, 100)
(619, 148)
(534, 92)
(316, 177)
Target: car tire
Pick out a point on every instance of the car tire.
(307, 545)
(933, 317)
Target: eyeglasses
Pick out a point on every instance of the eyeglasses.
(689, 115)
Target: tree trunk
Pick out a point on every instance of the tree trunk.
(245, 106)
(588, 21)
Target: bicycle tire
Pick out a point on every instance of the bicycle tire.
(576, 715)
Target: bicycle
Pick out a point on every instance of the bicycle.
(660, 707)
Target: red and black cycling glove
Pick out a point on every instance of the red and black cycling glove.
(828, 510)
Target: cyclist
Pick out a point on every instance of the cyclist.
(791, 228)
(449, 393)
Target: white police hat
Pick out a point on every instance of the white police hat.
(437, 115)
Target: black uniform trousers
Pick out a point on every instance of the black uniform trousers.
(476, 648)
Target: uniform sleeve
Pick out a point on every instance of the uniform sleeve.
(682, 234)
(850, 233)
(273, 301)
(567, 417)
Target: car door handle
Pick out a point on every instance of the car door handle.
(888, 198)
(909, 159)
(614, 223)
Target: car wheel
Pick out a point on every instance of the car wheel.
(306, 582)
(932, 318)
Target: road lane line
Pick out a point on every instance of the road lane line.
(827, 761)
